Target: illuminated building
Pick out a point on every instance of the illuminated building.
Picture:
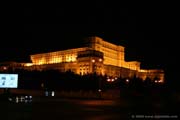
(97, 56)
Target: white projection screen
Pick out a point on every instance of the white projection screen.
(8, 80)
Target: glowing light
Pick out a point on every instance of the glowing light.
(127, 80)
(160, 81)
(28, 64)
(4, 68)
(52, 94)
(100, 60)
(110, 80)
(142, 70)
(93, 60)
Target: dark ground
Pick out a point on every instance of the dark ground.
(54, 108)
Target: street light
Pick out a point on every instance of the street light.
(127, 80)
(111, 79)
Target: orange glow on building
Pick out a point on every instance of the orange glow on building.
(28, 64)
(56, 57)
(97, 56)
(111, 62)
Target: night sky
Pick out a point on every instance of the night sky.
(147, 31)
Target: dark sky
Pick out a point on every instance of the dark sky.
(147, 30)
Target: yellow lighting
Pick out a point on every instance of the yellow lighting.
(40, 63)
(112, 62)
(143, 70)
(93, 60)
(28, 64)
(55, 59)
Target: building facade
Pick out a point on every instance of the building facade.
(97, 56)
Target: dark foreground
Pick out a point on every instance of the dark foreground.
(51, 108)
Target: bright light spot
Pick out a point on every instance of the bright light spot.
(4, 68)
(108, 80)
(99, 90)
(52, 94)
(93, 60)
(112, 80)
(127, 80)
(28, 64)
(100, 60)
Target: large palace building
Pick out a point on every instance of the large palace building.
(97, 56)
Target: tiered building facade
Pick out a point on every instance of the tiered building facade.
(97, 56)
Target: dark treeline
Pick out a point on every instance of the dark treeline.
(56, 80)
(130, 88)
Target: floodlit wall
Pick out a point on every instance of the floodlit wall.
(97, 56)
(153, 74)
(69, 55)
(113, 54)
